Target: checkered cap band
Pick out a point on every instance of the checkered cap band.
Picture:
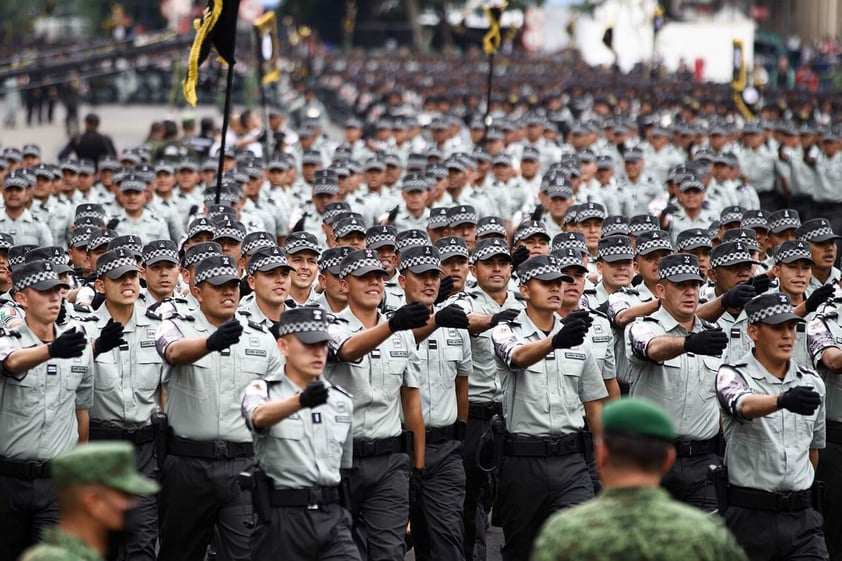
(569, 258)
(33, 273)
(815, 233)
(438, 219)
(90, 211)
(569, 241)
(380, 236)
(216, 266)
(678, 265)
(638, 227)
(537, 267)
(54, 254)
(332, 258)
(729, 253)
(768, 305)
(226, 196)
(451, 247)
(6, 241)
(80, 236)
(160, 250)
(302, 320)
(358, 260)
(229, 229)
(654, 244)
(262, 260)
(132, 185)
(492, 225)
(754, 221)
(792, 251)
(200, 252)
(488, 248)
(615, 228)
(728, 217)
(590, 210)
(466, 215)
(524, 233)
(296, 244)
(114, 259)
(784, 221)
(347, 226)
(200, 225)
(17, 254)
(311, 157)
(615, 245)
(410, 238)
(419, 256)
(100, 238)
(332, 210)
(15, 180)
(255, 241)
(134, 243)
(693, 242)
(324, 186)
(414, 182)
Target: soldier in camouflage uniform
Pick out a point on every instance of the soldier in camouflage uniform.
(634, 518)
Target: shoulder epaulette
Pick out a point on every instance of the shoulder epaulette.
(599, 311)
(465, 294)
(82, 309)
(707, 325)
(333, 318)
(342, 390)
(152, 314)
(648, 318)
(808, 371)
(244, 313)
(290, 303)
(519, 296)
(9, 333)
(256, 326)
(590, 291)
(85, 318)
(603, 307)
(629, 290)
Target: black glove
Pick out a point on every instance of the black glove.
(452, 316)
(110, 337)
(299, 226)
(571, 335)
(112, 224)
(711, 342)
(761, 283)
(69, 344)
(538, 213)
(62, 313)
(738, 296)
(800, 399)
(637, 279)
(225, 335)
(445, 288)
(416, 486)
(579, 315)
(819, 296)
(671, 208)
(519, 255)
(314, 394)
(98, 299)
(409, 316)
(504, 316)
(194, 209)
(393, 214)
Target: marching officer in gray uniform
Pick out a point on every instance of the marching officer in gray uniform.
(437, 498)
(774, 423)
(549, 378)
(210, 359)
(823, 247)
(488, 304)
(127, 384)
(135, 218)
(16, 219)
(45, 394)
(375, 359)
(824, 337)
(673, 357)
(302, 439)
(268, 276)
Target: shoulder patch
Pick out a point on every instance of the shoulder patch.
(342, 390)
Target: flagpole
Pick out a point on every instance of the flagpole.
(229, 85)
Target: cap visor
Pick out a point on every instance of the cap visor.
(577, 267)
(685, 278)
(313, 337)
(272, 267)
(419, 269)
(221, 279)
(366, 270)
(654, 249)
(494, 254)
(551, 277)
(796, 259)
(620, 257)
(160, 258)
(383, 243)
(782, 318)
(299, 249)
(134, 484)
(825, 238)
(120, 271)
(61, 269)
(45, 285)
(696, 246)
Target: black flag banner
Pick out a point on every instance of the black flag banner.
(217, 28)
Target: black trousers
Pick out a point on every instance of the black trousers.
(478, 491)
(688, 481)
(531, 489)
(778, 536)
(437, 521)
(300, 534)
(830, 472)
(27, 508)
(380, 506)
(198, 495)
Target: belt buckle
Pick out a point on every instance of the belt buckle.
(37, 469)
(315, 499)
(783, 501)
(552, 447)
(689, 448)
(220, 449)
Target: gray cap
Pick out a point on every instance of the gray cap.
(529, 228)
(380, 236)
(438, 218)
(229, 228)
(817, 230)
(160, 250)
(361, 262)
(201, 251)
(39, 275)
(217, 270)
(308, 323)
(130, 242)
(199, 225)
(331, 259)
(745, 235)
(488, 248)
(640, 223)
(679, 267)
(772, 308)
(783, 220)
(463, 214)
(348, 226)
(570, 258)
(541, 267)
(693, 238)
(257, 240)
(267, 259)
(410, 238)
(490, 226)
(451, 246)
(420, 259)
(655, 240)
(115, 263)
(615, 248)
(730, 253)
(615, 224)
(793, 250)
(575, 240)
(55, 254)
(301, 241)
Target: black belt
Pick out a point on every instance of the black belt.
(377, 447)
(25, 469)
(311, 498)
(833, 432)
(101, 431)
(745, 497)
(212, 449)
(484, 411)
(544, 447)
(437, 435)
(691, 448)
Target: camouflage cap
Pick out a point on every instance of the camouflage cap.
(109, 463)
(637, 417)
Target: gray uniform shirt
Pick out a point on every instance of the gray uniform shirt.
(38, 407)
(545, 399)
(127, 379)
(204, 398)
(825, 331)
(684, 385)
(446, 354)
(375, 379)
(308, 448)
(771, 453)
(26, 229)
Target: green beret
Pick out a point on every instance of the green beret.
(637, 417)
(109, 463)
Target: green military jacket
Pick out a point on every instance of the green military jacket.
(59, 546)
